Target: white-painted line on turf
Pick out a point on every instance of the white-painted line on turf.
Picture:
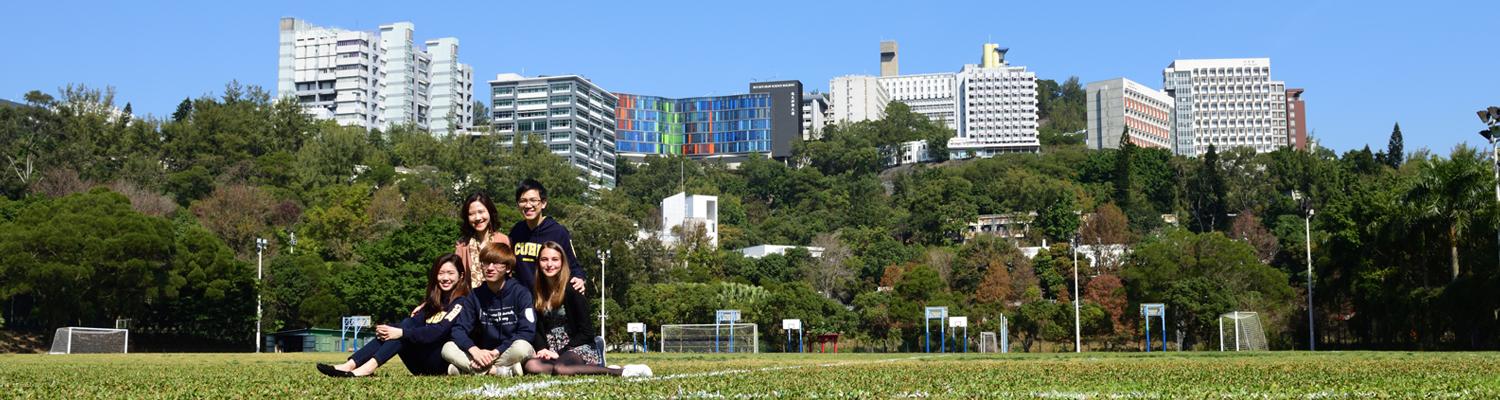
(495, 390)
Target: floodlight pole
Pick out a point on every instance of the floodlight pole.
(260, 248)
(1312, 342)
(603, 259)
(1077, 329)
(1491, 118)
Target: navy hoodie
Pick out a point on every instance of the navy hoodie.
(425, 328)
(528, 245)
(492, 321)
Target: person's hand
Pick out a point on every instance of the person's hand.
(387, 332)
(546, 354)
(415, 310)
(578, 284)
(480, 358)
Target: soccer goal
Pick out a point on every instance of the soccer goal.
(705, 338)
(70, 340)
(988, 343)
(1245, 333)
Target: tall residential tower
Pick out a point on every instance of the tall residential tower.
(1226, 103)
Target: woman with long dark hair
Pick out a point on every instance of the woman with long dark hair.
(565, 328)
(477, 228)
(418, 339)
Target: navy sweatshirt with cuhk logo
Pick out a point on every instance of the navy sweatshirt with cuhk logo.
(492, 321)
(528, 246)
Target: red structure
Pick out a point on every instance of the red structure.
(827, 338)
(1296, 119)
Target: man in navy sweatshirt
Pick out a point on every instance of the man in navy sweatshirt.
(535, 229)
(492, 332)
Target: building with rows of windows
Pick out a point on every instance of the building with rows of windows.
(1226, 103)
(722, 127)
(571, 114)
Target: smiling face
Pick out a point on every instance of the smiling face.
(531, 204)
(479, 217)
(550, 262)
(447, 277)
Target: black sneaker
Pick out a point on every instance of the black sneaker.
(334, 372)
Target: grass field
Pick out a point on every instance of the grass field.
(1100, 375)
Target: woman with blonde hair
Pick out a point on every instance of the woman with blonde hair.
(565, 328)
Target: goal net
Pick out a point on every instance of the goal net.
(70, 340)
(1241, 331)
(987, 343)
(710, 338)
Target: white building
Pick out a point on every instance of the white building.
(912, 152)
(857, 98)
(575, 117)
(932, 95)
(816, 115)
(1226, 103)
(997, 113)
(1116, 104)
(373, 80)
(334, 74)
(408, 76)
(768, 249)
(452, 88)
(691, 210)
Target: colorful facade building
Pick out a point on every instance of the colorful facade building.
(722, 127)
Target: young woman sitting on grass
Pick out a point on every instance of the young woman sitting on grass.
(418, 339)
(565, 326)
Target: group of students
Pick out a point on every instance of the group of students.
(500, 304)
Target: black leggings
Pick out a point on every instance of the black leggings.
(567, 363)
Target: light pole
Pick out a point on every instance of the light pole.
(1312, 343)
(1077, 329)
(1491, 118)
(260, 248)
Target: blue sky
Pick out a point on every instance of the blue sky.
(1365, 65)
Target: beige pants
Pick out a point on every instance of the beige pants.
(518, 352)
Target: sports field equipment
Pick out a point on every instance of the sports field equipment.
(72, 339)
(700, 338)
(1157, 310)
(1245, 332)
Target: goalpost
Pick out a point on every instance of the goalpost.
(1247, 334)
(72, 339)
(700, 338)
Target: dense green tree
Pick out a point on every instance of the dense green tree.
(1395, 152)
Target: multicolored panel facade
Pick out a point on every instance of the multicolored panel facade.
(698, 127)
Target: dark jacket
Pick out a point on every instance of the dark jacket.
(492, 321)
(528, 245)
(580, 322)
(426, 328)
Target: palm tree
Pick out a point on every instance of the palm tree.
(1452, 192)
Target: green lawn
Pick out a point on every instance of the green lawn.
(1101, 375)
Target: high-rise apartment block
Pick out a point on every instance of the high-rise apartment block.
(991, 106)
(334, 74)
(452, 88)
(997, 110)
(1296, 118)
(932, 95)
(816, 115)
(1226, 103)
(572, 115)
(1117, 104)
(857, 98)
(373, 80)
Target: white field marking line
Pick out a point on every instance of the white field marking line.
(494, 390)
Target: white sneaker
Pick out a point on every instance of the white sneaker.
(516, 369)
(499, 370)
(613, 367)
(453, 370)
(635, 370)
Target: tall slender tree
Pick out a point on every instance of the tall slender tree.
(1123, 161)
(1395, 150)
